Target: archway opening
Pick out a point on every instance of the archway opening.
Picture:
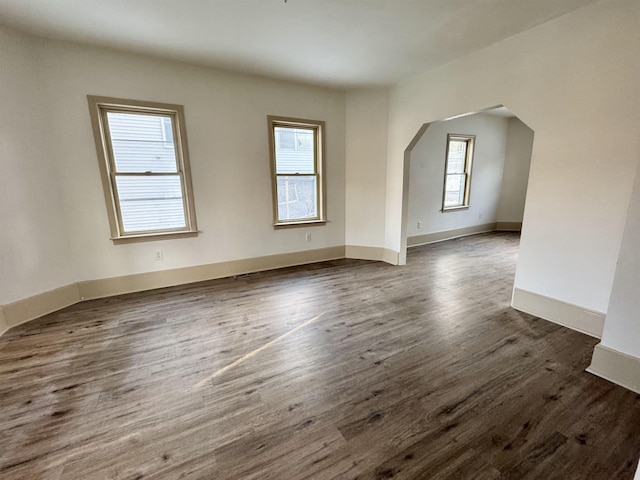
(446, 197)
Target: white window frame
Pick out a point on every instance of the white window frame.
(468, 162)
(318, 128)
(98, 108)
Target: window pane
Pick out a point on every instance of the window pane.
(286, 139)
(167, 131)
(142, 143)
(294, 150)
(297, 198)
(150, 202)
(454, 190)
(456, 156)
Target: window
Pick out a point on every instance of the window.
(457, 174)
(297, 163)
(142, 152)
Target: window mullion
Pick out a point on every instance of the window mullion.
(148, 174)
(296, 174)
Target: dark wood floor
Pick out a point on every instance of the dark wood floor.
(345, 369)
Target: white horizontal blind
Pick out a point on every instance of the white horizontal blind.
(147, 178)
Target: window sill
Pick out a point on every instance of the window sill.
(310, 223)
(454, 209)
(148, 237)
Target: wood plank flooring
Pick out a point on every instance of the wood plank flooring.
(339, 370)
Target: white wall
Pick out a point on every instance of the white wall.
(622, 325)
(366, 151)
(427, 174)
(34, 253)
(516, 172)
(53, 171)
(574, 81)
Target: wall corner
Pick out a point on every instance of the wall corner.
(617, 367)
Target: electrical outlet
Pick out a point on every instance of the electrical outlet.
(159, 255)
(419, 223)
(307, 237)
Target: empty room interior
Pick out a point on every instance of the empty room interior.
(290, 239)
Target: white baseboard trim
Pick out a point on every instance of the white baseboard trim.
(36, 306)
(616, 367)
(364, 253)
(39, 305)
(566, 314)
(391, 256)
(3, 323)
(372, 253)
(107, 287)
(433, 237)
(509, 226)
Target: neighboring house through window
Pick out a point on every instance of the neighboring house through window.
(297, 163)
(142, 152)
(457, 174)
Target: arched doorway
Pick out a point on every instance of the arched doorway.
(497, 177)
